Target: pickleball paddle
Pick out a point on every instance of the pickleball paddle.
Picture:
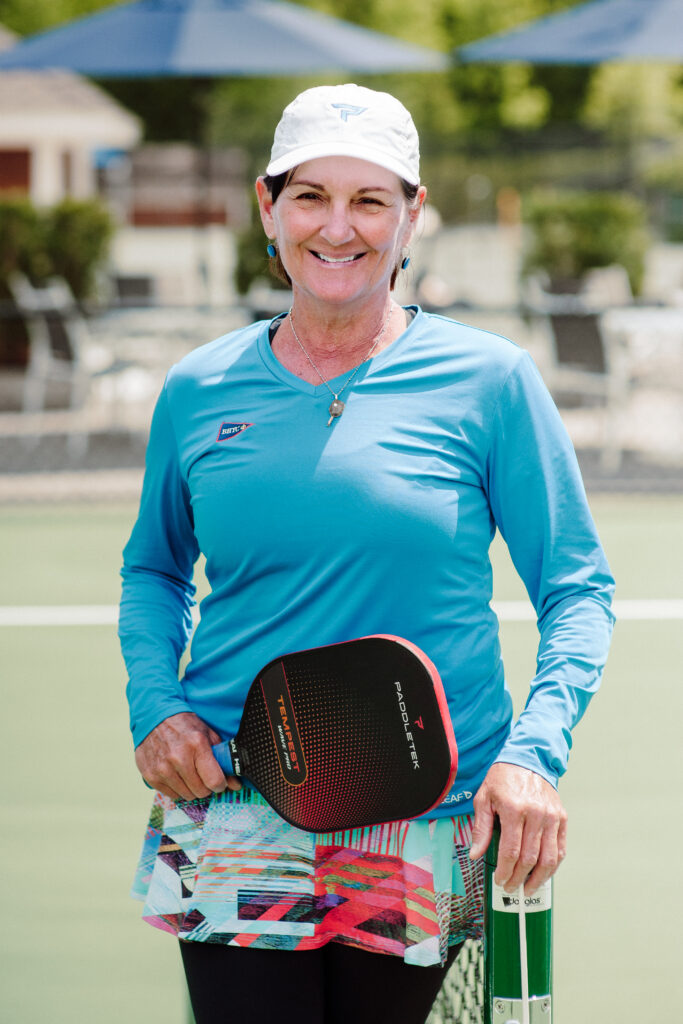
(351, 734)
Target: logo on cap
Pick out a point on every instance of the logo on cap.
(346, 110)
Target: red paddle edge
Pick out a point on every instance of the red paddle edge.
(441, 701)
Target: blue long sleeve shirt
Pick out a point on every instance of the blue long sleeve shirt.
(381, 523)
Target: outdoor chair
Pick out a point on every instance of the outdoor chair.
(53, 325)
(60, 354)
(587, 362)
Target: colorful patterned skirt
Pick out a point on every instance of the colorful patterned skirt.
(228, 869)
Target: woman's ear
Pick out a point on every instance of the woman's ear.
(416, 207)
(265, 205)
(414, 211)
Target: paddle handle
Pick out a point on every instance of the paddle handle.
(227, 757)
(223, 754)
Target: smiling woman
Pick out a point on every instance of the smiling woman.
(343, 468)
(369, 197)
(341, 225)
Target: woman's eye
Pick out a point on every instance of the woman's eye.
(308, 195)
(371, 201)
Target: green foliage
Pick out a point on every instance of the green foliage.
(244, 112)
(28, 16)
(252, 261)
(663, 180)
(496, 97)
(631, 102)
(405, 19)
(566, 86)
(666, 173)
(506, 122)
(70, 240)
(22, 242)
(77, 237)
(469, 106)
(171, 109)
(573, 232)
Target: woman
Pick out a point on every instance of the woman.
(343, 469)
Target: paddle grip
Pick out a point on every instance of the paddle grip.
(221, 752)
(230, 757)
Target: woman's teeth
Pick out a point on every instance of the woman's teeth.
(338, 259)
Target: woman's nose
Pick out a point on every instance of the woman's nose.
(337, 228)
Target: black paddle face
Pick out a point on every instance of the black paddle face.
(344, 736)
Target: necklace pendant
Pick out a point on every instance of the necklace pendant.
(336, 409)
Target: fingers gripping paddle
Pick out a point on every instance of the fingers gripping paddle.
(351, 734)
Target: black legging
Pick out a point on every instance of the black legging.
(332, 985)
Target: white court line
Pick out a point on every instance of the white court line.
(645, 609)
(508, 611)
(59, 615)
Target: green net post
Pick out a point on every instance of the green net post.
(517, 989)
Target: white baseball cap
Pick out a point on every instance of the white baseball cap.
(347, 120)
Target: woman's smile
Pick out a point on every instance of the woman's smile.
(337, 260)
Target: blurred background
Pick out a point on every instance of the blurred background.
(128, 236)
(128, 230)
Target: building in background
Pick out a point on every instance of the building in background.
(53, 125)
(178, 208)
(61, 136)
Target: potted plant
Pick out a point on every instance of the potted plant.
(572, 232)
(69, 240)
(22, 248)
(77, 237)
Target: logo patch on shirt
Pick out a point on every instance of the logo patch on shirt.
(229, 430)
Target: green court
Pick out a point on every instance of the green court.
(73, 948)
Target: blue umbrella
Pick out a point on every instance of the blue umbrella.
(603, 30)
(210, 38)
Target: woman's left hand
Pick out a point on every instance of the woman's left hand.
(533, 826)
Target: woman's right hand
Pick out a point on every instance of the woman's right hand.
(176, 758)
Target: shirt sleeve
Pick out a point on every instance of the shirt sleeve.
(155, 618)
(539, 505)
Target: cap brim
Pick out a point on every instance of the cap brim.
(315, 150)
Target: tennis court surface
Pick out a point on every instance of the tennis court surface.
(73, 947)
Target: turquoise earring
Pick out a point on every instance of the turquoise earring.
(271, 250)
(405, 262)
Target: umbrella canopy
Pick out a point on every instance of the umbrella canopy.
(210, 38)
(603, 30)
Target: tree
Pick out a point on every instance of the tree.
(29, 16)
(472, 103)
(496, 97)
(472, 112)
(636, 101)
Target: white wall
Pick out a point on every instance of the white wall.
(175, 257)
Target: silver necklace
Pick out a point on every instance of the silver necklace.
(336, 407)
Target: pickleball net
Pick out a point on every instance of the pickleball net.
(461, 999)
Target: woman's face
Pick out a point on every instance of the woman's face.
(339, 225)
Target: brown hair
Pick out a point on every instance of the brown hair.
(276, 183)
